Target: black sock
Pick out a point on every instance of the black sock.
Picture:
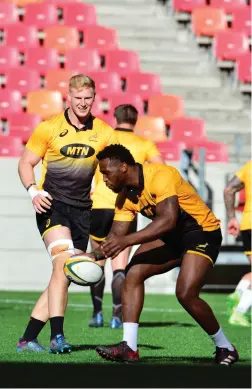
(56, 323)
(33, 329)
(97, 291)
(117, 284)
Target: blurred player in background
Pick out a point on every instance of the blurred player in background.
(103, 208)
(183, 232)
(239, 302)
(67, 144)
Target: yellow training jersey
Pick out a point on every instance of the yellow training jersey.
(142, 150)
(159, 182)
(69, 156)
(245, 175)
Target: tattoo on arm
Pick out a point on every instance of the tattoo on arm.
(234, 185)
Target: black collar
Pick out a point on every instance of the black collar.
(123, 129)
(88, 123)
(132, 192)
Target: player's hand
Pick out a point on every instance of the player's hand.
(233, 227)
(113, 246)
(42, 202)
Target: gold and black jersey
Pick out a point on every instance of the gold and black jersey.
(143, 150)
(69, 156)
(157, 183)
(245, 175)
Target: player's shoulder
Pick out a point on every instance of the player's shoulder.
(154, 168)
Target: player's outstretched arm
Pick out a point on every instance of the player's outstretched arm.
(233, 186)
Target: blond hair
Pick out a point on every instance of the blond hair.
(80, 81)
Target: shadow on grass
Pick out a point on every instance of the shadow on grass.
(184, 360)
(83, 347)
(148, 324)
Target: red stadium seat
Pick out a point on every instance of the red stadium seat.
(22, 3)
(40, 15)
(20, 36)
(60, 2)
(228, 5)
(85, 60)
(244, 68)
(125, 98)
(58, 80)
(215, 151)
(187, 6)
(241, 21)
(10, 102)
(22, 124)
(100, 37)
(167, 106)
(78, 14)
(24, 80)
(62, 38)
(187, 130)
(41, 59)
(152, 128)
(171, 150)
(229, 45)
(44, 103)
(143, 84)
(8, 14)
(123, 62)
(106, 83)
(207, 21)
(9, 58)
(10, 146)
(107, 118)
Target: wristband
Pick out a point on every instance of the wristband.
(98, 256)
(28, 187)
(33, 192)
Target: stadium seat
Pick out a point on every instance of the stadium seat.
(184, 8)
(187, 130)
(169, 107)
(10, 102)
(229, 46)
(244, 69)
(10, 146)
(22, 124)
(152, 128)
(123, 62)
(62, 38)
(44, 103)
(85, 60)
(41, 59)
(100, 37)
(24, 80)
(20, 36)
(215, 151)
(206, 22)
(125, 98)
(107, 118)
(22, 3)
(241, 21)
(58, 80)
(143, 84)
(60, 2)
(78, 14)
(8, 14)
(106, 83)
(228, 5)
(9, 58)
(171, 150)
(40, 15)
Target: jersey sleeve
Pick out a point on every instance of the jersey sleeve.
(39, 140)
(241, 174)
(123, 210)
(151, 150)
(165, 184)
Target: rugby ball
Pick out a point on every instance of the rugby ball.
(82, 270)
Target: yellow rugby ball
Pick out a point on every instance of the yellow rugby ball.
(82, 270)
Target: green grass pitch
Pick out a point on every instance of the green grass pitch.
(168, 337)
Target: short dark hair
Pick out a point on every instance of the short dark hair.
(116, 152)
(126, 113)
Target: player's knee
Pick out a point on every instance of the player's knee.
(60, 250)
(184, 294)
(133, 274)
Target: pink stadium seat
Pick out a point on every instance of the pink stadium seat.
(169, 107)
(123, 62)
(144, 84)
(8, 14)
(78, 14)
(229, 45)
(100, 37)
(58, 80)
(241, 21)
(40, 15)
(107, 118)
(22, 124)
(20, 36)
(244, 68)
(10, 146)
(41, 59)
(171, 150)
(187, 5)
(85, 60)
(10, 102)
(207, 21)
(24, 80)
(9, 58)
(152, 128)
(125, 98)
(60, 2)
(62, 38)
(215, 151)
(187, 130)
(107, 83)
(228, 5)
(44, 103)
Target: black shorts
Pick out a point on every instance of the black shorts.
(61, 214)
(101, 222)
(246, 238)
